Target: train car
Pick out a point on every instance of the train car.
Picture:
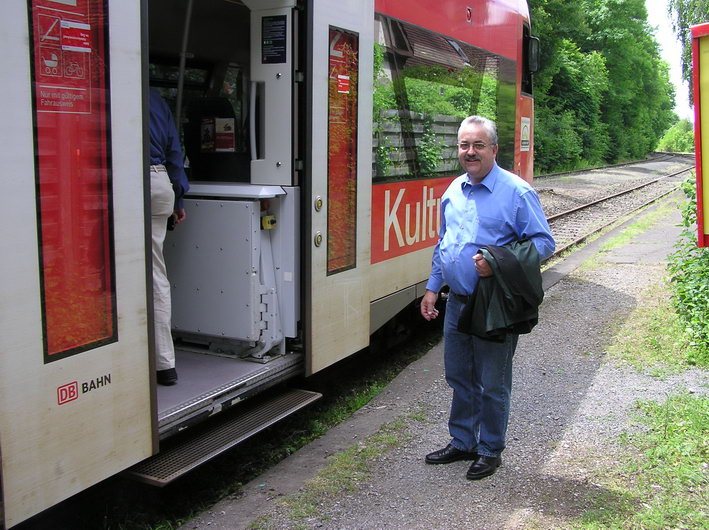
(318, 135)
(700, 83)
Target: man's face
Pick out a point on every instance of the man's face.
(476, 159)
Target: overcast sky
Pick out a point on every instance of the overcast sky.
(671, 51)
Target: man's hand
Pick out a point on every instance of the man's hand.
(481, 266)
(179, 215)
(428, 305)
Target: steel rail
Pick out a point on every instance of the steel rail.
(581, 239)
(624, 192)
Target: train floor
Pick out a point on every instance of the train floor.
(570, 403)
(202, 376)
(198, 375)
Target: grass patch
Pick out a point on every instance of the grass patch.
(646, 221)
(662, 480)
(653, 339)
(664, 485)
(344, 473)
(643, 224)
(420, 415)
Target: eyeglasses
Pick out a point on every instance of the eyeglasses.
(478, 146)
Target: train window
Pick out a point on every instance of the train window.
(530, 59)
(343, 95)
(74, 180)
(423, 89)
(162, 73)
(164, 78)
(232, 88)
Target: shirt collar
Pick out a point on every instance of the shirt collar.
(488, 181)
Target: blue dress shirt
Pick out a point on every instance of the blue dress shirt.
(500, 209)
(165, 146)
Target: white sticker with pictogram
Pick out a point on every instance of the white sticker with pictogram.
(525, 136)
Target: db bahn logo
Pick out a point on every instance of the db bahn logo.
(67, 393)
(70, 391)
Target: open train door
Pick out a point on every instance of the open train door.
(75, 372)
(337, 206)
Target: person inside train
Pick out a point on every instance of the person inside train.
(168, 184)
(486, 205)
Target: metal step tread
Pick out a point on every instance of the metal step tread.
(174, 462)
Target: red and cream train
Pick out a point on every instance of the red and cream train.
(319, 136)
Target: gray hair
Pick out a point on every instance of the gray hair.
(488, 125)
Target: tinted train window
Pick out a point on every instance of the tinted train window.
(164, 77)
(233, 89)
(424, 85)
(526, 71)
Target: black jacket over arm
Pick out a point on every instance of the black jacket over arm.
(507, 301)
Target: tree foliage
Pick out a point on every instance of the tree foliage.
(602, 94)
(684, 14)
(678, 139)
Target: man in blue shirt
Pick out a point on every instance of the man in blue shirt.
(485, 206)
(168, 184)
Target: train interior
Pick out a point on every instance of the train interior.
(234, 263)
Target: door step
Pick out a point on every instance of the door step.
(189, 453)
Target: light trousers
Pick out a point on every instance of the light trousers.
(162, 204)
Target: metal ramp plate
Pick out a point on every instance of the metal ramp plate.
(193, 451)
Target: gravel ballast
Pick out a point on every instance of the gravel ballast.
(569, 405)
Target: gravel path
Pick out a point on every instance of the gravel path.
(569, 406)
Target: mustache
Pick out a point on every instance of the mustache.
(472, 158)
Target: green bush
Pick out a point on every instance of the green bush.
(557, 146)
(689, 273)
(678, 139)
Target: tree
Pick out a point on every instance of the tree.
(565, 86)
(572, 134)
(602, 92)
(638, 105)
(684, 14)
(679, 138)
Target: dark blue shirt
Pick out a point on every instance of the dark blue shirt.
(165, 146)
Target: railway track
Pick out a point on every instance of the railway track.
(657, 158)
(587, 209)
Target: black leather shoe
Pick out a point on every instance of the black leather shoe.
(167, 377)
(484, 466)
(449, 454)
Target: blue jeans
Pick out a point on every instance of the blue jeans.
(480, 373)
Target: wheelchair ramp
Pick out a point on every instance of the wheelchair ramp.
(225, 433)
